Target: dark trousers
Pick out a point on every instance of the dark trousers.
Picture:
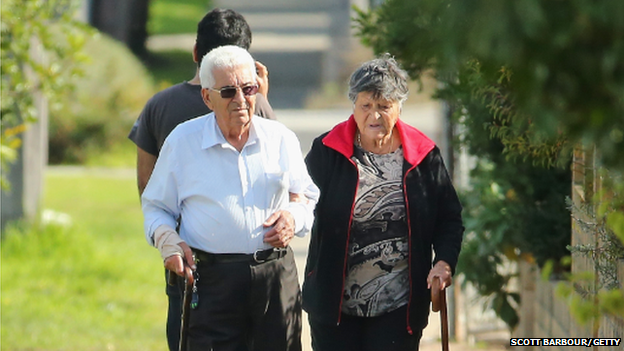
(247, 307)
(387, 332)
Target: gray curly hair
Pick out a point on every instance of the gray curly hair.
(383, 77)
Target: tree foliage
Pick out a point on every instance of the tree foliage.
(511, 202)
(40, 47)
(566, 57)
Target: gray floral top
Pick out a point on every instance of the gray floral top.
(377, 279)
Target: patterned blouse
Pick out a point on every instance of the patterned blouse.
(377, 269)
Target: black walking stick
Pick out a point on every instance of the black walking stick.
(438, 303)
(186, 303)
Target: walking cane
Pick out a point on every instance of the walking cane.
(438, 303)
(186, 303)
(186, 306)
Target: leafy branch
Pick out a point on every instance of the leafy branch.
(40, 51)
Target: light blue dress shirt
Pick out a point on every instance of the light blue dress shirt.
(221, 195)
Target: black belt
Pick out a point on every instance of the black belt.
(259, 256)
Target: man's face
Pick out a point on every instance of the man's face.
(236, 111)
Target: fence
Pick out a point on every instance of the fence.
(544, 314)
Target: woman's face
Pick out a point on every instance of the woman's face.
(375, 118)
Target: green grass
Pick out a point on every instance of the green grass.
(176, 16)
(93, 285)
(122, 154)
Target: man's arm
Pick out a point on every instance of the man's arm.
(145, 166)
(159, 198)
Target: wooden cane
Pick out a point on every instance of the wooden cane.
(186, 306)
(438, 303)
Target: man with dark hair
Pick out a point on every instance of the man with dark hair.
(182, 102)
(221, 26)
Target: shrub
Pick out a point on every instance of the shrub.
(514, 208)
(106, 102)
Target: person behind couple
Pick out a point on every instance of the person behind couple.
(386, 202)
(241, 187)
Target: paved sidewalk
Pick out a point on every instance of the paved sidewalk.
(461, 346)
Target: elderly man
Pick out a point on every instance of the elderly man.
(181, 102)
(241, 188)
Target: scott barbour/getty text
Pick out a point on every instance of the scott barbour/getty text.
(588, 342)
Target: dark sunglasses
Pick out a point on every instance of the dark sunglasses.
(230, 92)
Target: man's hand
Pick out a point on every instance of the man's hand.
(172, 248)
(441, 271)
(263, 79)
(283, 229)
(175, 264)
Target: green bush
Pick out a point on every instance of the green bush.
(514, 208)
(105, 103)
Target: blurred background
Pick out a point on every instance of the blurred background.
(525, 98)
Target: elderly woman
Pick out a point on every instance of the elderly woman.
(386, 201)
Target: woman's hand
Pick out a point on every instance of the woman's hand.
(441, 271)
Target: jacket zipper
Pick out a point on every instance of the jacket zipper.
(346, 256)
(409, 244)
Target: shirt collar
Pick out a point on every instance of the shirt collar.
(212, 134)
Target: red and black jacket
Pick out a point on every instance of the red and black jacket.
(434, 219)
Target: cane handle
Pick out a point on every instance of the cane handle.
(436, 295)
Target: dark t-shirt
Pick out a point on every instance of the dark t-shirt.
(172, 106)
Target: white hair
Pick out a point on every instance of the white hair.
(228, 56)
